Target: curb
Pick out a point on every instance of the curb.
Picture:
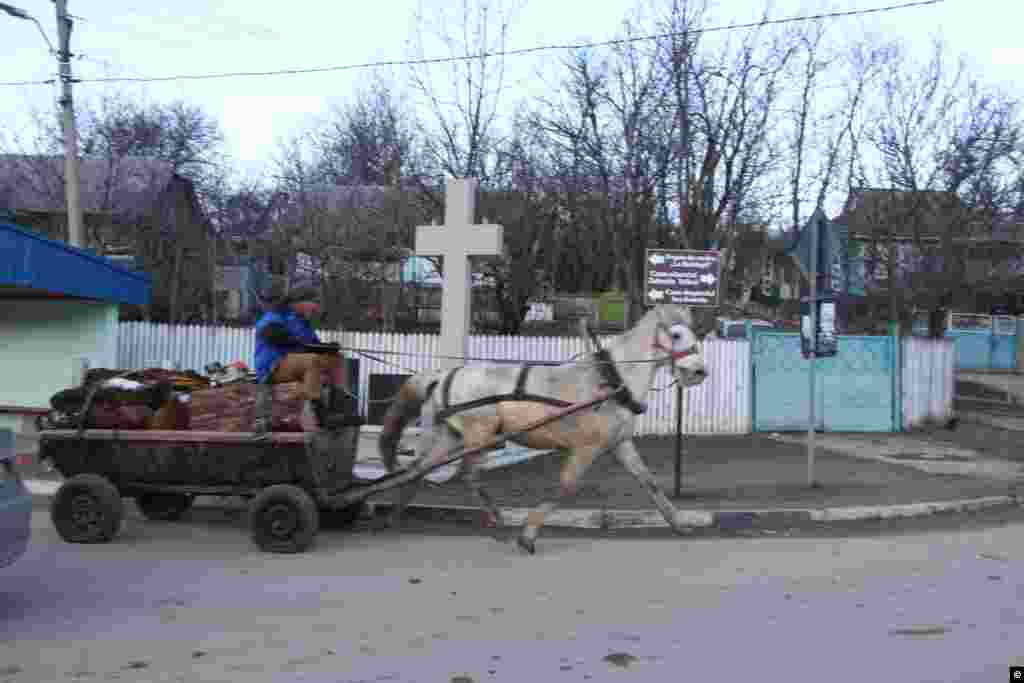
(605, 519)
(1007, 422)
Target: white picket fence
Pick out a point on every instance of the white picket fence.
(721, 405)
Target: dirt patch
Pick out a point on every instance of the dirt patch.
(971, 389)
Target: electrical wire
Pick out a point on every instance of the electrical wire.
(484, 55)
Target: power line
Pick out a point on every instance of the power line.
(50, 81)
(483, 55)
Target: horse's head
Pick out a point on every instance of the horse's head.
(674, 337)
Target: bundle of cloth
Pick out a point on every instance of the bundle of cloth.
(165, 399)
(117, 399)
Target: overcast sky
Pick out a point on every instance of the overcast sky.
(136, 38)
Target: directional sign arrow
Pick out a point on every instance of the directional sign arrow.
(656, 259)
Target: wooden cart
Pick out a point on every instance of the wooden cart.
(291, 480)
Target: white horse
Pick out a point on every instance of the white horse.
(470, 406)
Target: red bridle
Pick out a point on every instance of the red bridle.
(675, 355)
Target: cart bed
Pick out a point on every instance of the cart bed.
(320, 461)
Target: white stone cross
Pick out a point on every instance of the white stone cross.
(456, 241)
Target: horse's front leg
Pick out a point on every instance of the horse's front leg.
(433, 448)
(628, 456)
(576, 463)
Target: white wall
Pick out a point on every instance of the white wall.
(42, 342)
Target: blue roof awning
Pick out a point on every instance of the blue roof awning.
(32, 262)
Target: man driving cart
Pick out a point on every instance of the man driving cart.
(288, 350)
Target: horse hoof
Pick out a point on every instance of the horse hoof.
(386, 523)
(526, 545)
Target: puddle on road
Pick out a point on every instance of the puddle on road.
(619, 659)
(920, 631)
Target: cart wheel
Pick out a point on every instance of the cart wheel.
(283, 519)
(341, 518)
(164, 507)
(87, 509)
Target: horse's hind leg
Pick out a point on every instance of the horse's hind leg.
(576, 464)
(474, 433)
(492, 514)
(628, 456)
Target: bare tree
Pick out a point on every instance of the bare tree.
(465, 104)
(352, 203)
(370, 140)
(615, 123)
(738, 94)
(947, 146)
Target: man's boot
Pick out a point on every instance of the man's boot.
(313, 416)
(263, 415)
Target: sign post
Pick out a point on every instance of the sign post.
(687, 278)
(820, 240)
(812, 418)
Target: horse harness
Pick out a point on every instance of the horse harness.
(609, 373)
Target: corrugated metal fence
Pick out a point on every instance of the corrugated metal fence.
(927, 380)
(721, 405)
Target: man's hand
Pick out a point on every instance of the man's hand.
(330, 347)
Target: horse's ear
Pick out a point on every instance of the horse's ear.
(688, 315)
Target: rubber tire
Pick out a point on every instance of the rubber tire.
(289, 500)
(164, 507)
(106, 502)
(342, 518)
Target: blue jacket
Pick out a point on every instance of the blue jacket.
(268, 354)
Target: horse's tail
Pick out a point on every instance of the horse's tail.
(405, 408)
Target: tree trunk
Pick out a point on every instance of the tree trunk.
(176, 281)
(214, 317)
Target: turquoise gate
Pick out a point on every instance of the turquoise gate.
(856, 389)
(985, 342)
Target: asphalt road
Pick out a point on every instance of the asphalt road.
(195, 602)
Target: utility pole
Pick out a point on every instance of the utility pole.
(76, 233)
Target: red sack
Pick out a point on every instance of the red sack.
(232, 407)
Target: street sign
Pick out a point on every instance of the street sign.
(838, 269)
(682, 276)
(826, 342)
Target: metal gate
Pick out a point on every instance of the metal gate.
(856, 389)
(984, 342)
